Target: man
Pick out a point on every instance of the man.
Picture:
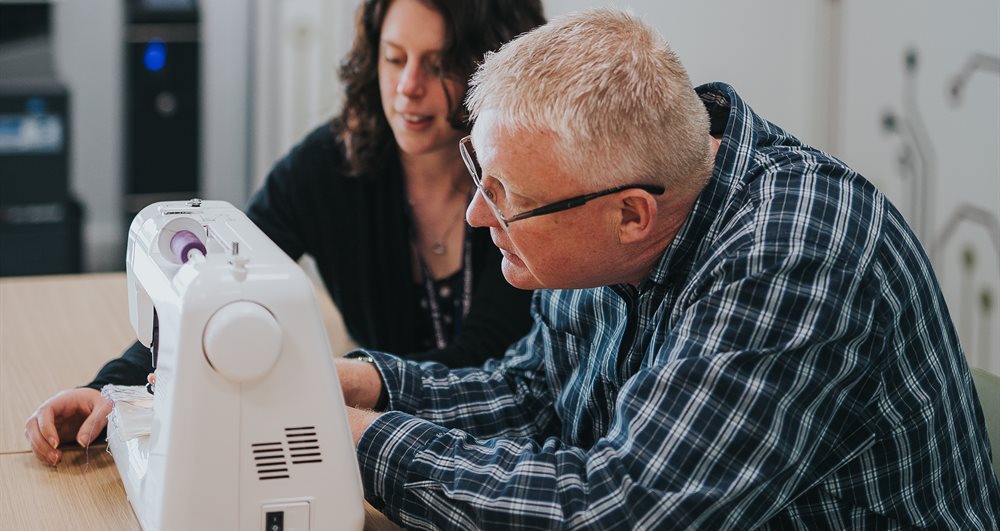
(739, 331)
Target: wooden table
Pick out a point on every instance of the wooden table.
(55, 333)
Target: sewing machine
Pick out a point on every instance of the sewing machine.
(248, 424)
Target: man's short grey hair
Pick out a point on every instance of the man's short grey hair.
(616, 97)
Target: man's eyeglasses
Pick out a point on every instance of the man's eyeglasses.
(472, 163)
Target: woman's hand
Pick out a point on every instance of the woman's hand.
(73, 414)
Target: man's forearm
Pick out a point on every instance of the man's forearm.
(359, 420)
(360, 382)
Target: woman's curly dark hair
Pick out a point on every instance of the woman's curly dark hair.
(472, 28)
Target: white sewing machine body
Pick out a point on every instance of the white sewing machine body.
(248, 429)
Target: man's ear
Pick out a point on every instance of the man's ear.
(637, 215)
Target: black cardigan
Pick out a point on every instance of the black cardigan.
(357, 229)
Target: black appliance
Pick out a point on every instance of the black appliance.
(162, 131)
(39, 218)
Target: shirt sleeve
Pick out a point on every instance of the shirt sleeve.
(131, 368)
(272, 209)
(507, 397)
(756, 394)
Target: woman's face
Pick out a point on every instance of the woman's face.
(413, 97)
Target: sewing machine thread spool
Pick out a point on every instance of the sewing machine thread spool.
(183, 242)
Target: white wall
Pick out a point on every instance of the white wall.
(298, 45)
(227, 91)
(782, 69)
(87, 43)
(959, 220)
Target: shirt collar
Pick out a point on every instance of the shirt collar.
(731, 116)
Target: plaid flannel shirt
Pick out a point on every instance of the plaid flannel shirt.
(789, 363)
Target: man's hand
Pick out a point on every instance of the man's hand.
(359, 420)
(360, 382)
(78, 414)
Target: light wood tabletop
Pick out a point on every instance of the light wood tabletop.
(55, 333)
(83, 492)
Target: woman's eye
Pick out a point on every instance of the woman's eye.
(393, 60)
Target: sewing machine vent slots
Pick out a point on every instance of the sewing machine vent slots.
(303, 448)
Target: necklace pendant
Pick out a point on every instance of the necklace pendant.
(438, 248)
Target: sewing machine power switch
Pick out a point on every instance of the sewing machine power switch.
(286, 517)
(274, 521)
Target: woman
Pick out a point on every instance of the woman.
(377, 197)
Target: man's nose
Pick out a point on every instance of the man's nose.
(479, 214)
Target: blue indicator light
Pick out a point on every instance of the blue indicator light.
(35, 105)
(155, 56)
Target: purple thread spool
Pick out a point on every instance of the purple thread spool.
(183, 242)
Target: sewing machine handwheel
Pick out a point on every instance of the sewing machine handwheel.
(242, 341)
